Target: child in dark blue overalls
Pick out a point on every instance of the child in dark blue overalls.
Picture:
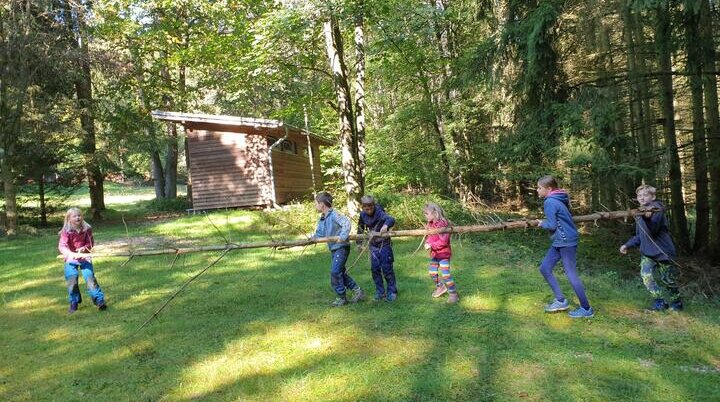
(373, 218)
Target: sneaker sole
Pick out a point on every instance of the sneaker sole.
(582, 316)
(555, 310)
(438, 295)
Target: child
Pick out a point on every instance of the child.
(440, 253)
(559, 222)
(374, 219)
(331, 223)
(657, 268)
(76, 238)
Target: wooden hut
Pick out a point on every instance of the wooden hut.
(241, 162)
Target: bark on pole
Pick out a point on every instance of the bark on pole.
(500, 226)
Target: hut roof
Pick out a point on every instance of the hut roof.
(234, 122)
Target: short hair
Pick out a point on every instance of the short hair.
(646, 188)
(367, 200)
(548, 181)
(325, 198)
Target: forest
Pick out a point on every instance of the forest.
(471, 100)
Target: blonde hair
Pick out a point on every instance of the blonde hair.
(646, 188)
(67, 226)
(436, 210)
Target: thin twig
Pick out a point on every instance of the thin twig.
(127, 261)
(183, 287)
(174, 259)
(217, 229)
(422, 243)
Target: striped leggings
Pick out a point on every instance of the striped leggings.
(444, 267)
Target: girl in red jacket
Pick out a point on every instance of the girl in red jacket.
(76, 241)
(440, 253)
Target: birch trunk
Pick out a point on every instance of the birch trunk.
(335, 53)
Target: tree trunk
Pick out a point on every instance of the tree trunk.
(171, 152)
(663, 42)
(83, 87)
(495, 227)
(41, 194)
(335, 53)
(9, 192)
(360, 91)
(158, 176)
(712, 124)
(640, 122)
(694, 70)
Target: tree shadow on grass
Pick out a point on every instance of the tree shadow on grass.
(272, 311)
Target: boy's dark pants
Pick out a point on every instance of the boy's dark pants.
(660, 278)
(339, 279)
(381, 265)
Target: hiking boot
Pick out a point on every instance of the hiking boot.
(378, 297)
(439, 290)
(453, 297)
(557, 305)
(677, 305)
(582, 313)
(73, 307)
(391, 297)
(658, 305)
(339, 301)
(358, 295)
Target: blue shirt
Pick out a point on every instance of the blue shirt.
(374, 223)
(653, 235)
(558, 220)
(334, 224)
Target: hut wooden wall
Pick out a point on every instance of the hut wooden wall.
(292, 171)
(228, 169)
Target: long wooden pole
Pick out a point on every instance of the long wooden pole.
(519, 224)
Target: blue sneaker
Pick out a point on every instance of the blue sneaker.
(582, 313)
(658, 305)
(676, 305)
(391, 297)
(557, 305)
(378, 297)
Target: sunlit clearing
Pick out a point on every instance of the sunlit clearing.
(260, 355)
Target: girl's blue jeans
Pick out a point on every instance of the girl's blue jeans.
(71, 278)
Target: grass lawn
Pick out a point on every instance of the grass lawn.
(258, 326)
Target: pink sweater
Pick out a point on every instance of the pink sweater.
(439, 243)
(72, 241)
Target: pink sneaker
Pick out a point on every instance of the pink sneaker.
(439, 290)
(453, 298)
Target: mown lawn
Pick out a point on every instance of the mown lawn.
(258, 326)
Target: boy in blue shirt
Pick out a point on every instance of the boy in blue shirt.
(332, 223)
(373, 218)
(657, 268)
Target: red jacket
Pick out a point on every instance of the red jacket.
(439, 243)
(72, 241)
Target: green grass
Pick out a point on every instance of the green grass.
(257, 326)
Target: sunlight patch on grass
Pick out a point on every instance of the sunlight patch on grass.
(521, 379)
(57, 334)
(33, 304)
(266, 354)
(22, 286)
